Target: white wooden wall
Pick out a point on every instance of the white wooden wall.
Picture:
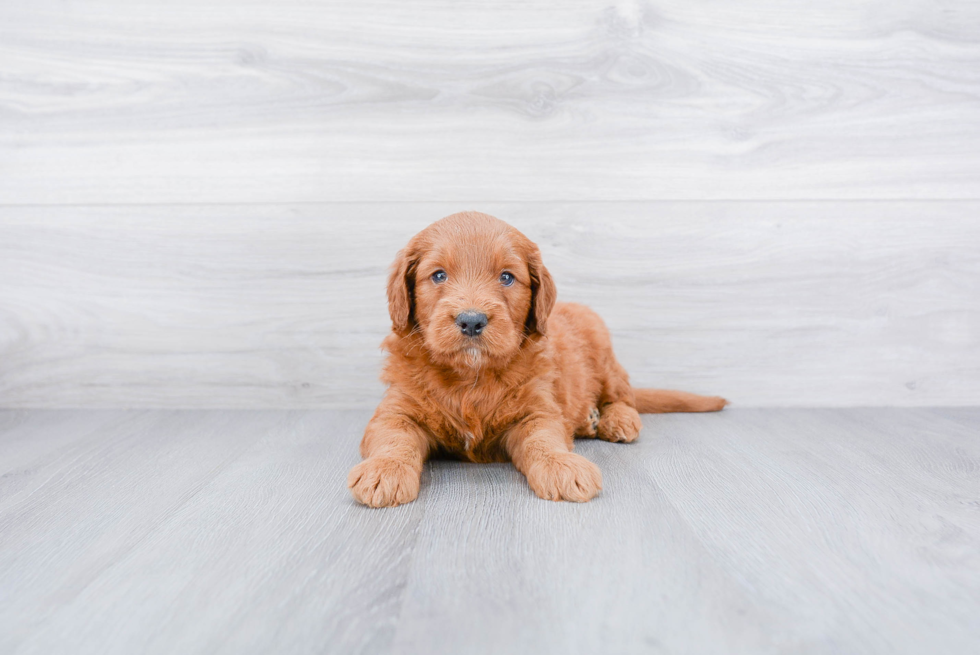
(774, 201)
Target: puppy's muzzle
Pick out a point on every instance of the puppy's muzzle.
(471, 323)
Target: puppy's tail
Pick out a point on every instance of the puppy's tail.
(664, 401)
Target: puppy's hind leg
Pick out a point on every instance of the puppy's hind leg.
(618, 418)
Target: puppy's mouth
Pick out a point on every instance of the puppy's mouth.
(465, 348)
(448, 342)
(471, 345)
(472, 352)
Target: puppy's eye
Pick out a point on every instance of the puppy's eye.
(506, 279)
(439, 277)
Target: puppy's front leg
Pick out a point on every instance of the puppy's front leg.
(394, 449)
(540, 451)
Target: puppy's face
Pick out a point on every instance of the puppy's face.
(473, 287)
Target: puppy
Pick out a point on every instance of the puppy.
(485, 366)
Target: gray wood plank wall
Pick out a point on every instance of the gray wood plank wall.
(776, 203)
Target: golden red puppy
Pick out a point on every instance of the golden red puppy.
(485, 366)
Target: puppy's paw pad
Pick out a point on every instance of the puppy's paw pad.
(619, 422)
(565, 476)
(594, 417)
(383, 482)
(587, 427)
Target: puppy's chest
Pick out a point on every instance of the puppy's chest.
(473, 431)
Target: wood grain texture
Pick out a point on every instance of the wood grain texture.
(243, 553)
(841, 304)
(251, 101)
(817, 531)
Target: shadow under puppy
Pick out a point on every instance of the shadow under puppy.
(485, 366)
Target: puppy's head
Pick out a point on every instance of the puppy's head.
(473, 287)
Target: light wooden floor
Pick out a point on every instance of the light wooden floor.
(817, 531)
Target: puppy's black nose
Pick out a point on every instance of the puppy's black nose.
(471, 323)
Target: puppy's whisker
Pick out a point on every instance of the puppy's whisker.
(415, 330)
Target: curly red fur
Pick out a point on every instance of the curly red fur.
(539, 374)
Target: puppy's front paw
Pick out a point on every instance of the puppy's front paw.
(619, 422)
(564, 476)
(383, 482)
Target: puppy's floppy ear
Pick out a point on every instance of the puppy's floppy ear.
(401, 288)
(543, 294)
